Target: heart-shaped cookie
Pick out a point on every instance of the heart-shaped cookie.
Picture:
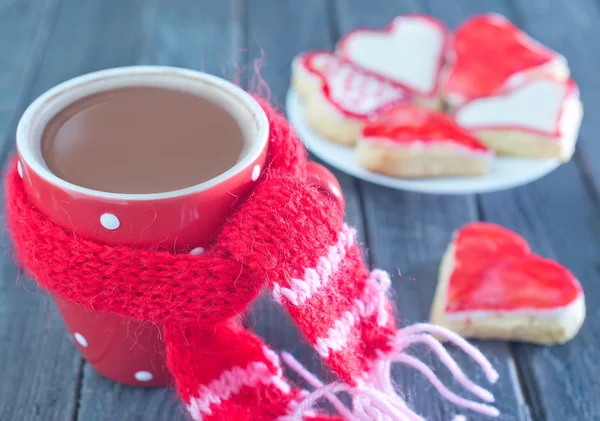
(360, 94)
(412, 141)
(538, 119)
(410, 51)
(488, 53)
(346, 96)
(309, 68)
(492, 286)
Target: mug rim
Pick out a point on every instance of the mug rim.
(256, 143)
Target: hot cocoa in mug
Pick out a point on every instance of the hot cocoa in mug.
(149, 157)
(141, 140)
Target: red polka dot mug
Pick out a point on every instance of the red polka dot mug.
(129, 351)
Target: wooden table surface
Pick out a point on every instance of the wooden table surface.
(44, 42)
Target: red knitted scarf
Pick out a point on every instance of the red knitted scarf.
(287, 236)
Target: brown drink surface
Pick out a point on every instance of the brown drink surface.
(141, 140)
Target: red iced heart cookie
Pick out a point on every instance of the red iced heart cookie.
(411, 141)
(417, 126)
(409, 51)
(344, 95)
(539, 119)
(492, 286)
(488, 52)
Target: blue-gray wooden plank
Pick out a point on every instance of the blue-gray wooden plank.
(408, 234)
(39, 366)
(25, 27)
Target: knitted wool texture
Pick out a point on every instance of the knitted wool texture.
(286, 236)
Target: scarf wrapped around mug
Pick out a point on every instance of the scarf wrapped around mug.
(286, 236)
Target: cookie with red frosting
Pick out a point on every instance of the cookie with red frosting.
(492, 286)
(488, 53)
(341, 97)
(538, 119)
(309, 68)
(409, 51)
(413, 141)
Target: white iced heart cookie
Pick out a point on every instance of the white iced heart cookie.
(409, 51)
(539, 119)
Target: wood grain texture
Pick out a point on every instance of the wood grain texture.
(277, 31)
(462, 9)
(408, 234)
(39, 365)
(89, 36)
(104, 400)
(200, 35)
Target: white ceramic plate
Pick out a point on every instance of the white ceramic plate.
(506, 173)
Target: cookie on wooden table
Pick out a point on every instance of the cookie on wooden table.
(412, 141)
(489, 53)
(492, 286)
(345, 97)
(539, 119)
(410, 51)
